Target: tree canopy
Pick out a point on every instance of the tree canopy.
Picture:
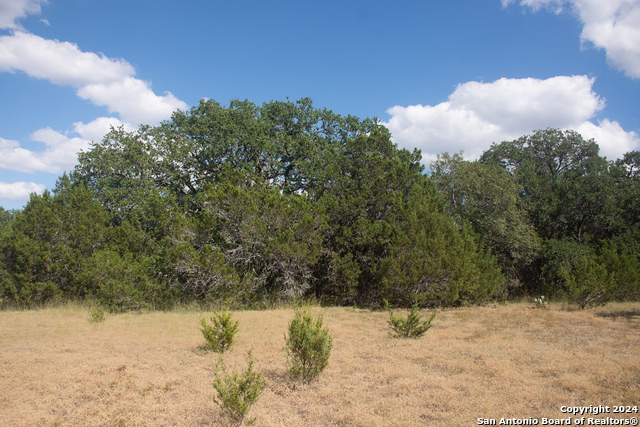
(253, 204)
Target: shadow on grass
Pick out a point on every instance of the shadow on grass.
(627, 314)
(280, 383)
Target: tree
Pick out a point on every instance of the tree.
(576, 201)
(6, 217)
(433, 261)
(270, 238)
(45, 248)
(626, 180)
(488, 197)
(367, 183)
(388, 236)
(565, 183)
(276, 201)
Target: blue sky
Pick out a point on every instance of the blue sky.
(442, 75)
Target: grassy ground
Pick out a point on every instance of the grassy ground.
(57, 368)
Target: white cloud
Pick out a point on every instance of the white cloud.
(19, 191)
(435, 129)
(612, 139)
(98, 128)
(133, 99)
(62, 63)
(552, 5)
(478, 114)
(60, 153)
(534, 103)
(103, 81)
(12, 10)
(13, 157)
(612, 25)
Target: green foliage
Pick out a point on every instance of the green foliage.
(203, 273)
(36, 294)
(411, 327)
(237, 392)
(568, 189)
(6, 217)
(122, 171)
(576, 273)
(97, 314)
(487, 196)
(577, 201)
(625, 267)
(284, 201)
(121, 283)
(219, 336)
(274, 238)
(561, 258)
(590, 284)
(45, 248)
(434, 260)
(308, 345)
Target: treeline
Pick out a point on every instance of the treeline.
(561, 220)
(251, 204)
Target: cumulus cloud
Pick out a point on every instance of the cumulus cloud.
(512, 103)
(19, 191)
(612, 139)
(98, 128)
(60, 153)
(612, 25)
(103, 81)
(477, 114)
(133, 99)
(62, 63)
(12, 10)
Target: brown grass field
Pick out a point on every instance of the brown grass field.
(504, 361)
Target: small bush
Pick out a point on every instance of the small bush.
(219, 336)
(237, 392)
(97, 314)
(308, 345)
(411, 327)
(589, 285)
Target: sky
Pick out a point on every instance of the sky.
(443, 76)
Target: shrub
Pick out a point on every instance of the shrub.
(219, 336)
(119, 283)
(237, 392)
(97, 314)
(308, 345)
(589, 285)
(625, 267)
(411, 327)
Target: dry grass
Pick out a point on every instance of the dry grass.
(56, 368)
